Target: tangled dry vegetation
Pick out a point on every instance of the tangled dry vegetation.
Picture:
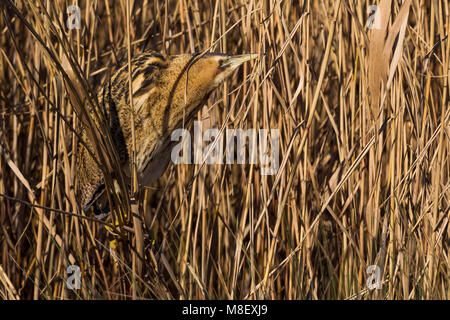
(363, 180)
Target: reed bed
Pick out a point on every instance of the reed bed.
(363, 116)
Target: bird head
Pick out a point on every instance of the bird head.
(221, 66)
(212, 68)
(202, 73)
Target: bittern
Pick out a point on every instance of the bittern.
(167, 91)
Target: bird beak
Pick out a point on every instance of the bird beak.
(235, 61)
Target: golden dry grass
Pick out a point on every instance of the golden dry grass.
(364, 153)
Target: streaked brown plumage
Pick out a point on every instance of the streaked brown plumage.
(159, 88)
